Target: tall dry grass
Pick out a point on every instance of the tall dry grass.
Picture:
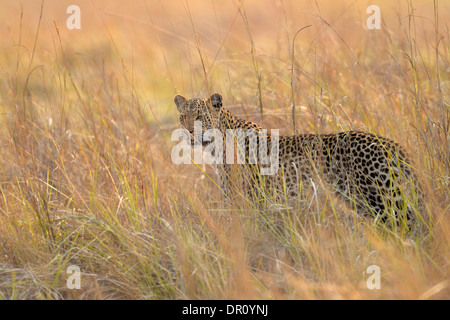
(87, 115)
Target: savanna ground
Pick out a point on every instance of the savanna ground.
(86, 172)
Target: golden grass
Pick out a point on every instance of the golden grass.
(86, 117)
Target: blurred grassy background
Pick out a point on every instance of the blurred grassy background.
(86, 176)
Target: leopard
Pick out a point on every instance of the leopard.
(370, 171)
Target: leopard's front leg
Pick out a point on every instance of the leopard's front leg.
(223, 172)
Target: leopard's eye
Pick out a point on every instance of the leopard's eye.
(198, 118)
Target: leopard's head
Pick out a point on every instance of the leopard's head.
(207, 111)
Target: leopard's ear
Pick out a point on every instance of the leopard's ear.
(216, 101)
(180, 101)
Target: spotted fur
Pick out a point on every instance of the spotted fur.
(367, 169)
